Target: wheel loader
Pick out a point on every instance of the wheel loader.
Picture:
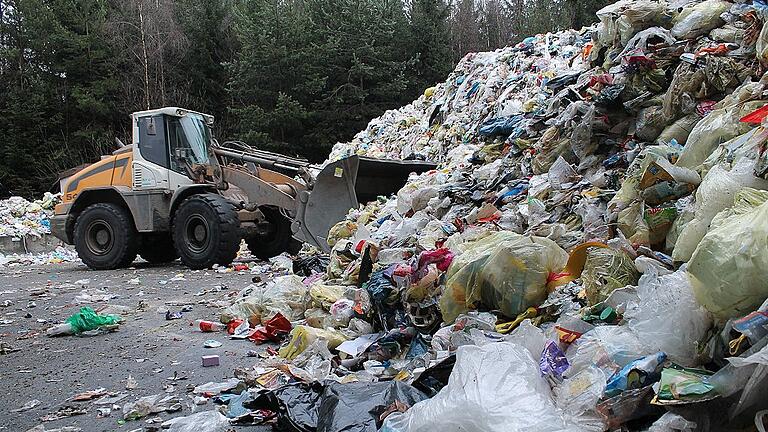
(175, 192)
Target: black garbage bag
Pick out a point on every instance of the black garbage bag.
(296, 406)
(435, 378)
(357, 407)
(308, 265)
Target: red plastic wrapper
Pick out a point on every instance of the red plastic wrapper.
(705, 107)
(232, 325)
(756, 116)
(442, 257)
(272, 330)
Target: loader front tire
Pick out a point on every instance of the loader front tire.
(277, 240)
(105, 237)
(158, 248)
(206, 231)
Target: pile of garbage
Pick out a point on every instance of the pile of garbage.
(19, 217)
(590, 255)
(62, 254)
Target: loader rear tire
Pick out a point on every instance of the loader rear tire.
(158, 248)
(278, 240)
(105, 237)
(206, 231)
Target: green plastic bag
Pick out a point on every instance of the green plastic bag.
(681, 385)
(87, 319)
(505, 271)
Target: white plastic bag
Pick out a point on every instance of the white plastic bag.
(671, 422)
(209, 421)
(608, 348)
(578, 396)
(699, 18)
(284, 294)
(667, 317)
(493, 388)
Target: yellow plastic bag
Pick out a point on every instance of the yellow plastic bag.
(342, 230)
(505, 271)
(325, 295)
(606, 270)
(727, 269)
(716, 128)
(303, 336)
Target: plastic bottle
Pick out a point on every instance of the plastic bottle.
(210, 326)
(61, 329)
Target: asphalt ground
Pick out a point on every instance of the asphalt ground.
(162, 356)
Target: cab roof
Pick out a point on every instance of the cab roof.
(174, 111)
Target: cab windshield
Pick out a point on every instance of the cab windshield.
(192, 134)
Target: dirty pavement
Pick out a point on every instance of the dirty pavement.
(590, 255)
(42, 376)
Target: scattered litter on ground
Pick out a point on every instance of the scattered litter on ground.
(27, 406)
(84, 322)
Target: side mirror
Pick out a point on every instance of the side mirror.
(151, 129)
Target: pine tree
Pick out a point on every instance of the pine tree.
(429, 39)
(202, 71)
(57, 108)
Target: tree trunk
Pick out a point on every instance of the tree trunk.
(144, 52)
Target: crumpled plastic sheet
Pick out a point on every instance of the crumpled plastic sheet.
(684, 324)
(334, 407)
(671, 422)
(209, 421)
(295, 404)
(493, 388)
(747, 375)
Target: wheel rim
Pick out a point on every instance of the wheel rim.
(198, 233)
(99, 237)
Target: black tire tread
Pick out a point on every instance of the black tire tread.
(228, 221)
(283, 243)
(129, 248)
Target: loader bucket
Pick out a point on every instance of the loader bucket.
(343, 185)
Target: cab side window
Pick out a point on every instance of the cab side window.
(152, 143)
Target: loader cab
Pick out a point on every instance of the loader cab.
(167, 140)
